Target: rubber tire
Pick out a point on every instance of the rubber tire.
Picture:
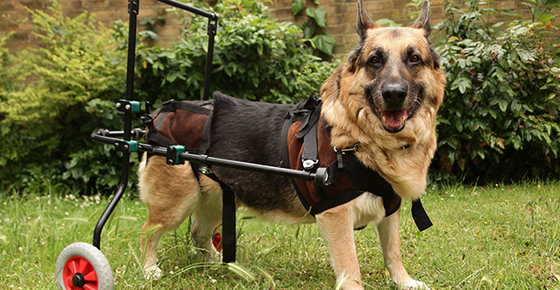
(94, 257)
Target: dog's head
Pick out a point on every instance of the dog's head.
(393, 71)
(385, 97)
(397, 63)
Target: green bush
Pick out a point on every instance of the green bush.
(54, 96)
(255, 58)
(323, 42)
(500, 118)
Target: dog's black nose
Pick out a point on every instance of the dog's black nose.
(394, 94)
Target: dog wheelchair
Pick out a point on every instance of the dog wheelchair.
(82, 265)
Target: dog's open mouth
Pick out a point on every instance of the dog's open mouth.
(395, 120)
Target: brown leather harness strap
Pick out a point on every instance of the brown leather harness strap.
(185, 123)
(346, 174)
(182, 123)
(306, 139)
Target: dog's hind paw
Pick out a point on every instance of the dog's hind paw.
(153, 273)
(413, 284)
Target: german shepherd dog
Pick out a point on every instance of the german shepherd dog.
(384, 97)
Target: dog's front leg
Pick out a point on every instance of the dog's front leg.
(336, 225)
(390, 239)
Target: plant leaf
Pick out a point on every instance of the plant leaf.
(545, 17)
(297, 6)
(390, 22)
(319, 15)
(324, 42)
(307, 29)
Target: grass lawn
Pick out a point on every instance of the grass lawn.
(498, 237)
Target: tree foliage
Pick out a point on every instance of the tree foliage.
(255, 58)
(500, 118)
(54, 96)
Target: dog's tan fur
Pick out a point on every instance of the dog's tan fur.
(353, 121)
(172, 193)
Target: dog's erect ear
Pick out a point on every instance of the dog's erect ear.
(364, 21)
(423, 21)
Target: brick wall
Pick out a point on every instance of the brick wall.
(341, 16)
(106, 11)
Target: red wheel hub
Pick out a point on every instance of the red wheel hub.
(217, 239)
(78, 273)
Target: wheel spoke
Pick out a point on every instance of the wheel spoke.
(76, 265)
(91, 277)
(73, 267)
(83, 264)
(69, 281)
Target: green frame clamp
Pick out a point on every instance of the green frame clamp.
(173, 152)
(126, 146)
(128, 106)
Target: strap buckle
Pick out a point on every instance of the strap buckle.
(357, 148)
(309, 164)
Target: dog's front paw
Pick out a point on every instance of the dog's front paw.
(153, 273)
(413, 284)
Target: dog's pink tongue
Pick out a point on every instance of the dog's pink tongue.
(394, 119)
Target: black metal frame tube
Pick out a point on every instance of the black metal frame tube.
(318, 177)
(133, 9)
(212, 26)
(195, 10)
(212, 30)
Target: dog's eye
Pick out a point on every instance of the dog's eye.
(414, 59)
(374, 60)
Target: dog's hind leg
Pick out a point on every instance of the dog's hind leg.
(337, 227)
(389, 236)
(171, 194)
(208, 216)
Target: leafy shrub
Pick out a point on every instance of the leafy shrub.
(323, 42)
(255, 58)
(500, 119)
(54, 96)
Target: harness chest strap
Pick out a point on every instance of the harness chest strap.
(371, 181)
(306, 136)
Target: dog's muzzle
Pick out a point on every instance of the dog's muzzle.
(394, 116)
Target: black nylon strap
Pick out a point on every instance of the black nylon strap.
(309, 121)
(291, 118)
(156, 139)
(205, 142)
(308, 131)
(196, 107)
(341, 198)
(310, 155)
(420, 216)
(161, 117)
(366, 178)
